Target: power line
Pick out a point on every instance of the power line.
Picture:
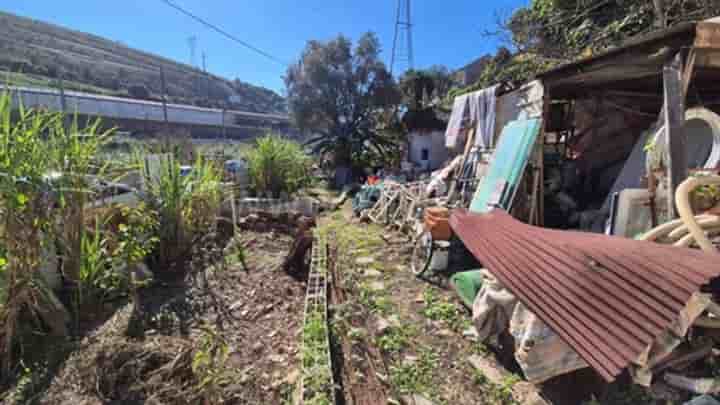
(224, 33)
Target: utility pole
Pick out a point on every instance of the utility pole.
(192, 44)
(402, 43)
(164, 97)
(207, 78)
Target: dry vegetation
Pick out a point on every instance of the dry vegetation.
(44, 52)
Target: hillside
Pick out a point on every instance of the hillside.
(38, 53)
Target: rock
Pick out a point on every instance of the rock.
(257, 347)
(293, 377)
(377, 285)
(365, 261)
(383, 325)
(236, 305)
(276, 358)
(445, 332)
(235, 359)
(471, 334)
(372, 273)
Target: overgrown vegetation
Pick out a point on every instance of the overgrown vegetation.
(439, 309)
(344, 97)
(277, 166)
(415, 375)
(187, 208)
(315, 361)
(44, 169)
(547, 33)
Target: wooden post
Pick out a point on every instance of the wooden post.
(674, 110)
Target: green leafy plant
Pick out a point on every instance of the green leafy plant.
(186, 208)
(439, 309)
(318, 375)
(415, 377)
(45, 165)
(277, 166)
(395, 339)
(210, 366)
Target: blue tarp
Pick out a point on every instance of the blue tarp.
(508, 163)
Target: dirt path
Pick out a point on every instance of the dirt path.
(417, 328)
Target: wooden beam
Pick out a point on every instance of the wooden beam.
(674, 113)
(707, 35)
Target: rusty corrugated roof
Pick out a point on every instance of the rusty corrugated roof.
(607, 297)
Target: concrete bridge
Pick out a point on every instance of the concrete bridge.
(150, 116)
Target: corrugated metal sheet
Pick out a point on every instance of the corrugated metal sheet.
(608, 298)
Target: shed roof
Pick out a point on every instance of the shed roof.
(638, 58)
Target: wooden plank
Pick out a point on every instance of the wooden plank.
(674, 113)
(707, 58)
(707, 35)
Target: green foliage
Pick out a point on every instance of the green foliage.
(44, 167)
(186, 208)
(277, 166)
(96, 273)
(550, 32)
(439, 309)
(421, 87)
(375, 300)
(210, 366)
(396, 339)
(415, 377)
(342, 95)
(315, 361)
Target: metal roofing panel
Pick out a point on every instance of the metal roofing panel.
(608, 298)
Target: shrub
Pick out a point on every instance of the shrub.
(186, 207)
(277, 166)
(44, 165)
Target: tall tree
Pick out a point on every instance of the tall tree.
(343, 96)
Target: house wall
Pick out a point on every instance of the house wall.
(434, 143)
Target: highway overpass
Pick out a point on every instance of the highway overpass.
(144, 115)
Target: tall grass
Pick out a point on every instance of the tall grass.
(187, 208)
(44, 163)
(277, 166)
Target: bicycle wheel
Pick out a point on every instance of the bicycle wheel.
(421, 254)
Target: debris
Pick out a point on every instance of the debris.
(703, 400)
(696, 385)
(633, 283)
(296, 263)
(416, 400)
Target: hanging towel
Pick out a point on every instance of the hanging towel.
(482, 113)
(457, 119)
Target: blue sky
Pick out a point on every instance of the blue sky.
(446, 32)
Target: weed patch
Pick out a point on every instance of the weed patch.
(415, 377)
(439, 309)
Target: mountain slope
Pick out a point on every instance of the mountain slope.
(34, 52)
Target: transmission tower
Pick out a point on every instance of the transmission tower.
(402, 54)
(192, 43)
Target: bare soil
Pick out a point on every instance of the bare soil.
(257, 315)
